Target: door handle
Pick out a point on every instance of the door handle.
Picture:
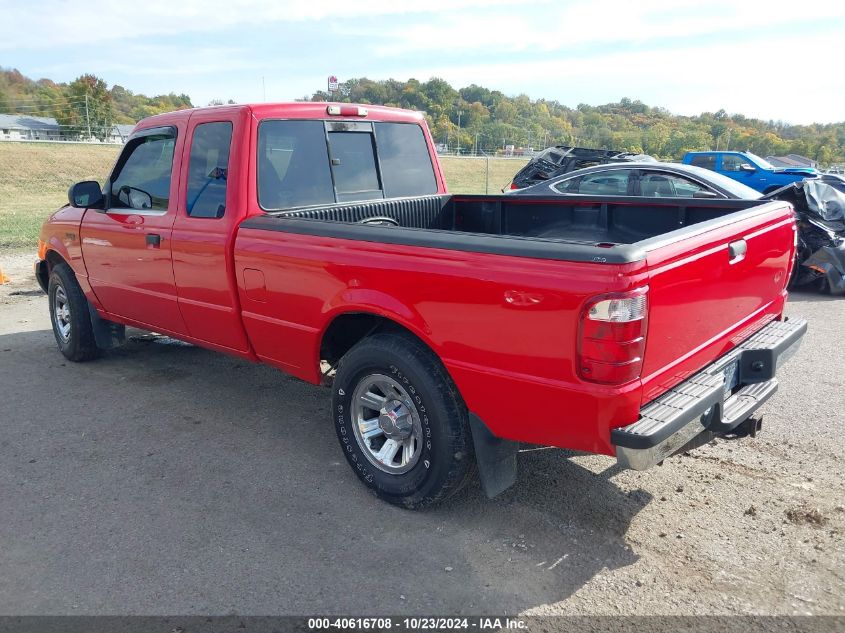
(153, 240)
(737, 251)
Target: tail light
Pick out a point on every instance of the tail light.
(612, 340)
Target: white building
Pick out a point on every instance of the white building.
(20, 127)
(120, 132)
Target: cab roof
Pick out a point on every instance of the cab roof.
(293, 110)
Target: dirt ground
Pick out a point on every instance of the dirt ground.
(166, 479)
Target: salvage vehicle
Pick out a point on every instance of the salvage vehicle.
(820, 216)
(320, 239)
(836, 181)
(562, 159)
(646, 179)
(749, 169)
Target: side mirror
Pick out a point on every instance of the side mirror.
(747, 167)
(706, 194)
(86, 195)
(134, 198)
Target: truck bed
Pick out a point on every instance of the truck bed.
(607, 223)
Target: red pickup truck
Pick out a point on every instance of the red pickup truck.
(320, 238)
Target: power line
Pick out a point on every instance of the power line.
(36, 97)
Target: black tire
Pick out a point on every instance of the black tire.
(446, 457)
(73, 331)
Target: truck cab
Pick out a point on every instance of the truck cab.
(749, 169)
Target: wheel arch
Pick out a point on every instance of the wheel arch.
(44, 267)
(345, 329)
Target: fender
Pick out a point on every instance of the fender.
(380, 303)
(61, 237)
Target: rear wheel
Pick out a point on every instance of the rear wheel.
(400, 421)
(69, 316)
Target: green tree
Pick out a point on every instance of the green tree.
(89, 108)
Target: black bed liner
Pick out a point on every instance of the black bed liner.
(611, 230)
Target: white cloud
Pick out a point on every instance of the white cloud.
(574, 25)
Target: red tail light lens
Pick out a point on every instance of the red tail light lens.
(514, 186)
(612, 340)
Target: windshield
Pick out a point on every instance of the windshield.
(761, 162)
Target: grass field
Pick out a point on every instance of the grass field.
(34, 178)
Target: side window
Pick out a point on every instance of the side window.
(293, 165)
(354, 166)
(208, 170)
(141, 178)
(708, 161)
(731, 162)
(606, 183)
(601, 183)
(568, 186)
(660, 185)
(405, 162)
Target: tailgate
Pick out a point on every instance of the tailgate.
(711, 286)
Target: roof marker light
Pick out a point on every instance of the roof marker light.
(336, 110)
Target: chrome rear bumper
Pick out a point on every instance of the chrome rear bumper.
(703, 405)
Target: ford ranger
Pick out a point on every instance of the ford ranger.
(320, 239)
(749, 169)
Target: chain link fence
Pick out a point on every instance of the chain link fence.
(487, 174)
(34, 179)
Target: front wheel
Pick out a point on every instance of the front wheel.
(400, 421)
(69, 316)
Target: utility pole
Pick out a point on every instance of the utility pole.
(87, 118)
(458, 150)
(475, 152)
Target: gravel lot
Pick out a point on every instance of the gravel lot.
(166, 479)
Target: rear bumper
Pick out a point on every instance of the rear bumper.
(700, 407)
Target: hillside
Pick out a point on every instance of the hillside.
(467, 117)
(66, 102)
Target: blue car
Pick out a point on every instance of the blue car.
(749, 169)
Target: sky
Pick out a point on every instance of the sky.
(769, 60)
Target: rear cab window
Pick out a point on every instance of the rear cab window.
(316, 162)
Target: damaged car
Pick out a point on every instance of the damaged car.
(820, 216)
(561, 159)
